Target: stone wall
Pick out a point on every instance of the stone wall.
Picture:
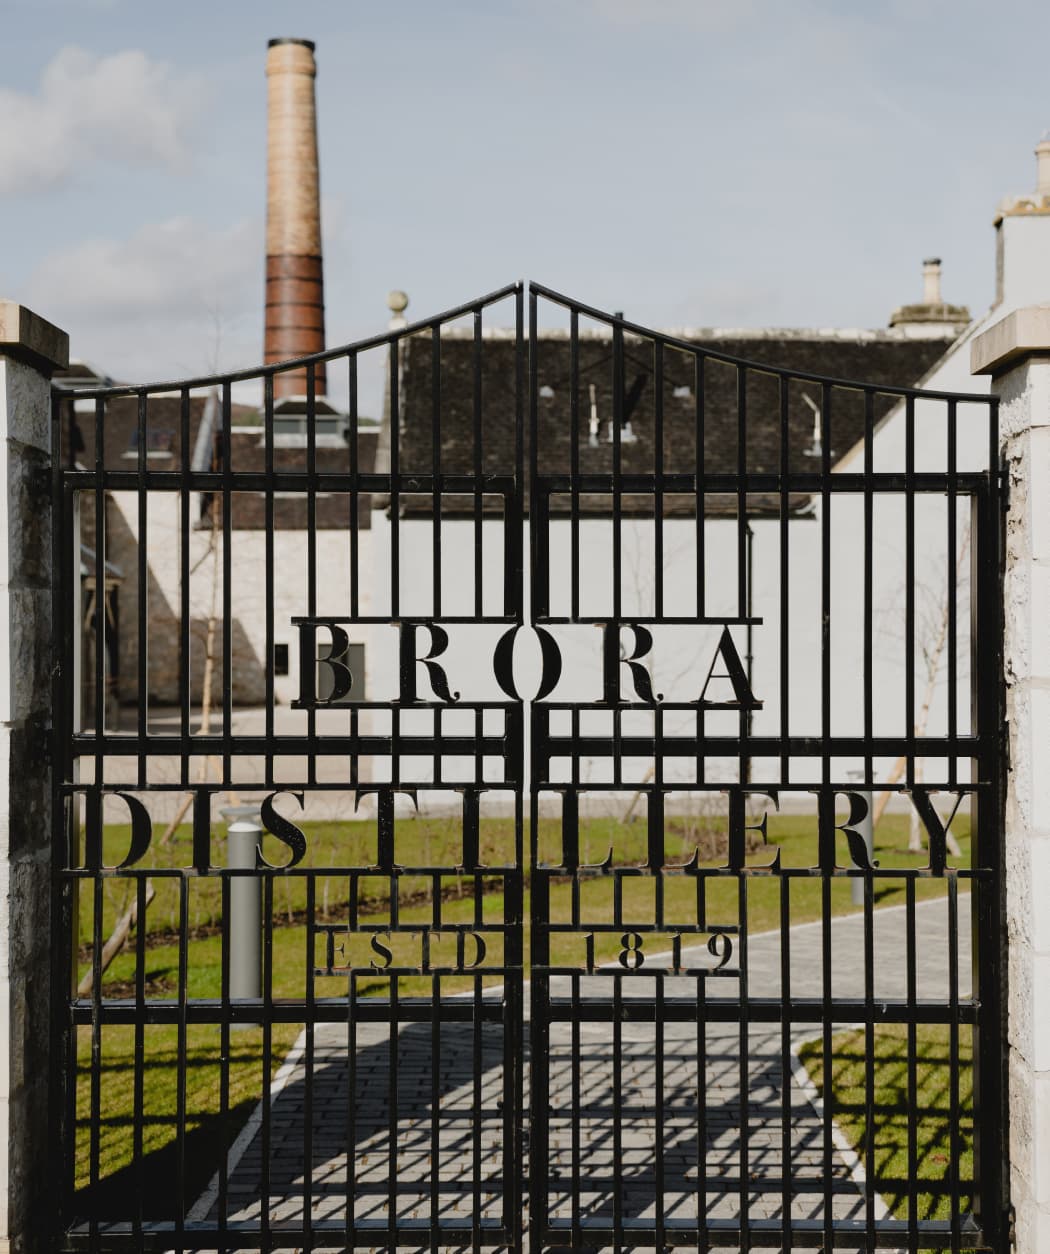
(29, 1127)
(1016, 351)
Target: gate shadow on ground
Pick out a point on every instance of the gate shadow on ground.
(152, 1179)
(459, 1081)
(114, 1198)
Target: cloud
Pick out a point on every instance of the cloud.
(123, 108)
(176, 297)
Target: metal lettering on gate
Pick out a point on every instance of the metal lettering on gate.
(388, 1020)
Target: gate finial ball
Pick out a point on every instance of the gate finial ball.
(397, 303)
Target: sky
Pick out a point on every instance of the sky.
(690, 162)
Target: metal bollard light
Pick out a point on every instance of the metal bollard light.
(867, 830)
(244, 928)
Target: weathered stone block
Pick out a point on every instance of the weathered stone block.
(27, 338)
(28, 506)
(26, 399)
(1030, 1008)
(25, 648)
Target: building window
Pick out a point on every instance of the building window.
(280, 659)
(354, 658)
(160, 442)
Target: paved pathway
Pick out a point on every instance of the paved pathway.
(460, 1157)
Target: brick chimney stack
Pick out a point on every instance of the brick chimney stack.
(294, 270)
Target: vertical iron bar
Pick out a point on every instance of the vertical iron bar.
(100, 590)
(990, 972)
(955, 1112)
(786, 1129)
(479, 469)
(142, 548)
(308, 1063)
(140, 1047)
(701, 1076)
(869, 581)
(913, 1098)
(395, 478)
(513, 568)
(477, 1059)
(745, 1066)
(741, 491)
(617, 492)
(391, 1098)
(827, 1158)
(350, 1224)
(95, 1097)
(435, 1095)
(659, 1203)
(311, 543)
(953, 594)
(514, 1051)
(658, 483)
(616, 1182)
(574, 461)
(699, 486)
(869, 1053)
(227, 588)
(909, 584)
(185, 534)
(269, 575)
(575, 1103)
(181, 1061)
(222, 1201)
(354, 507)
(785, 624)
(825, 581)
(267, 1057)
(435, 461)
(355, 486)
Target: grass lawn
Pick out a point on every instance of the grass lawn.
(154, 1181)
(932, 1112)
(423, 841)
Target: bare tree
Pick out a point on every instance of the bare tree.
(128, 919)
(934, 619)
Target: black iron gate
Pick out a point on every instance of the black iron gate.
(739, 633)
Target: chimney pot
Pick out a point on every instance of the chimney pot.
(1042, 166)
(306, 43)
(931, 281)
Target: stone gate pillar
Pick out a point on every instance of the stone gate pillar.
(30, 349)
(1016, 353)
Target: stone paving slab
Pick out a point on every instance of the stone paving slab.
(433, 1171)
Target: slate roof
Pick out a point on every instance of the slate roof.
(890, 358)
(248, 453)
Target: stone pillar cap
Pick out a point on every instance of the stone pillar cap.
(1023, 333)
(30, 338)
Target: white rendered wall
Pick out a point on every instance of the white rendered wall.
(248, 574)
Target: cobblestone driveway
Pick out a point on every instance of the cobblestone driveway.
(470, 1147)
